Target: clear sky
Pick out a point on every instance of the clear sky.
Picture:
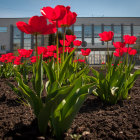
(84, 8)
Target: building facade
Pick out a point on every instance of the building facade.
(85, 28)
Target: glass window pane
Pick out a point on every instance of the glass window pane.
(78, 31)
(3, 29)
(97, 30)
(46, 40)
(27, 43)
(117, 39)
(16, 44)
(126, 30)
(17, 33)
(88, 40)
(107, 28)
(27, 35)
(117, 31)
(97, 42)
(79, 38)
(136, 30)
(87, 31)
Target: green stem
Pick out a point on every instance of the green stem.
(57, 46)
(36, 44)
(64, 43)
(127, 56)
(107, 53)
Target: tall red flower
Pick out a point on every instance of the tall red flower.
(133, 52)
(54, 14)
(130, 51)
(67, 43)
(85, 52)
(17, 60)
(77, 43)
(41, 50)
(69, 18)
(119, 45)
(6, 58)
(33, 59)
(106, 36)
(51, 48)
(119, 52)
(36, 25)
(129, 39)
(25, 53)
(70, 38)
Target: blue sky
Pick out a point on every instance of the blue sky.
(84, 8)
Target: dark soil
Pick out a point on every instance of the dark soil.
(95, 120)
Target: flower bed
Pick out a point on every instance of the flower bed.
(55, 83)
(95, 120)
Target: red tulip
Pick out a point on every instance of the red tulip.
(33, 59)
(41, 50)
(80, 60)
(106, 36)
(103, 63)
(67, 44)
(25, 53)
(6, 58)
(77, 43)
(48, 54)
(51, 48)
(129, 39)
(70, 38)
(55, 56)
(36, 25)
(85, 52)
(118, 45)
(54, 14)
(132, 52)
(17, 61)
(127, 50)
(69, 18)
(119, 52)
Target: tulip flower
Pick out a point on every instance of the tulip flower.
(54, 14)
(17, 60)
(106, 36)
(119, 52)
(129, 39)
(80, 60)
(85, 52)
(41, 50)
(36, 25)
(7, 58)
(67, 44)
(70, 38)
(69, 18)
(33, 59)
(51, 48)
(133, 52)
(119, 45)
(77, 43)
(25, 53)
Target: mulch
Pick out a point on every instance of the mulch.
(95, 120)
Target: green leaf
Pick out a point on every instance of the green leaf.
(52, 102)
(39, 86)
(64, 67)
(50, 72)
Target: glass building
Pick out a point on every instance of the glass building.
(86, 29)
